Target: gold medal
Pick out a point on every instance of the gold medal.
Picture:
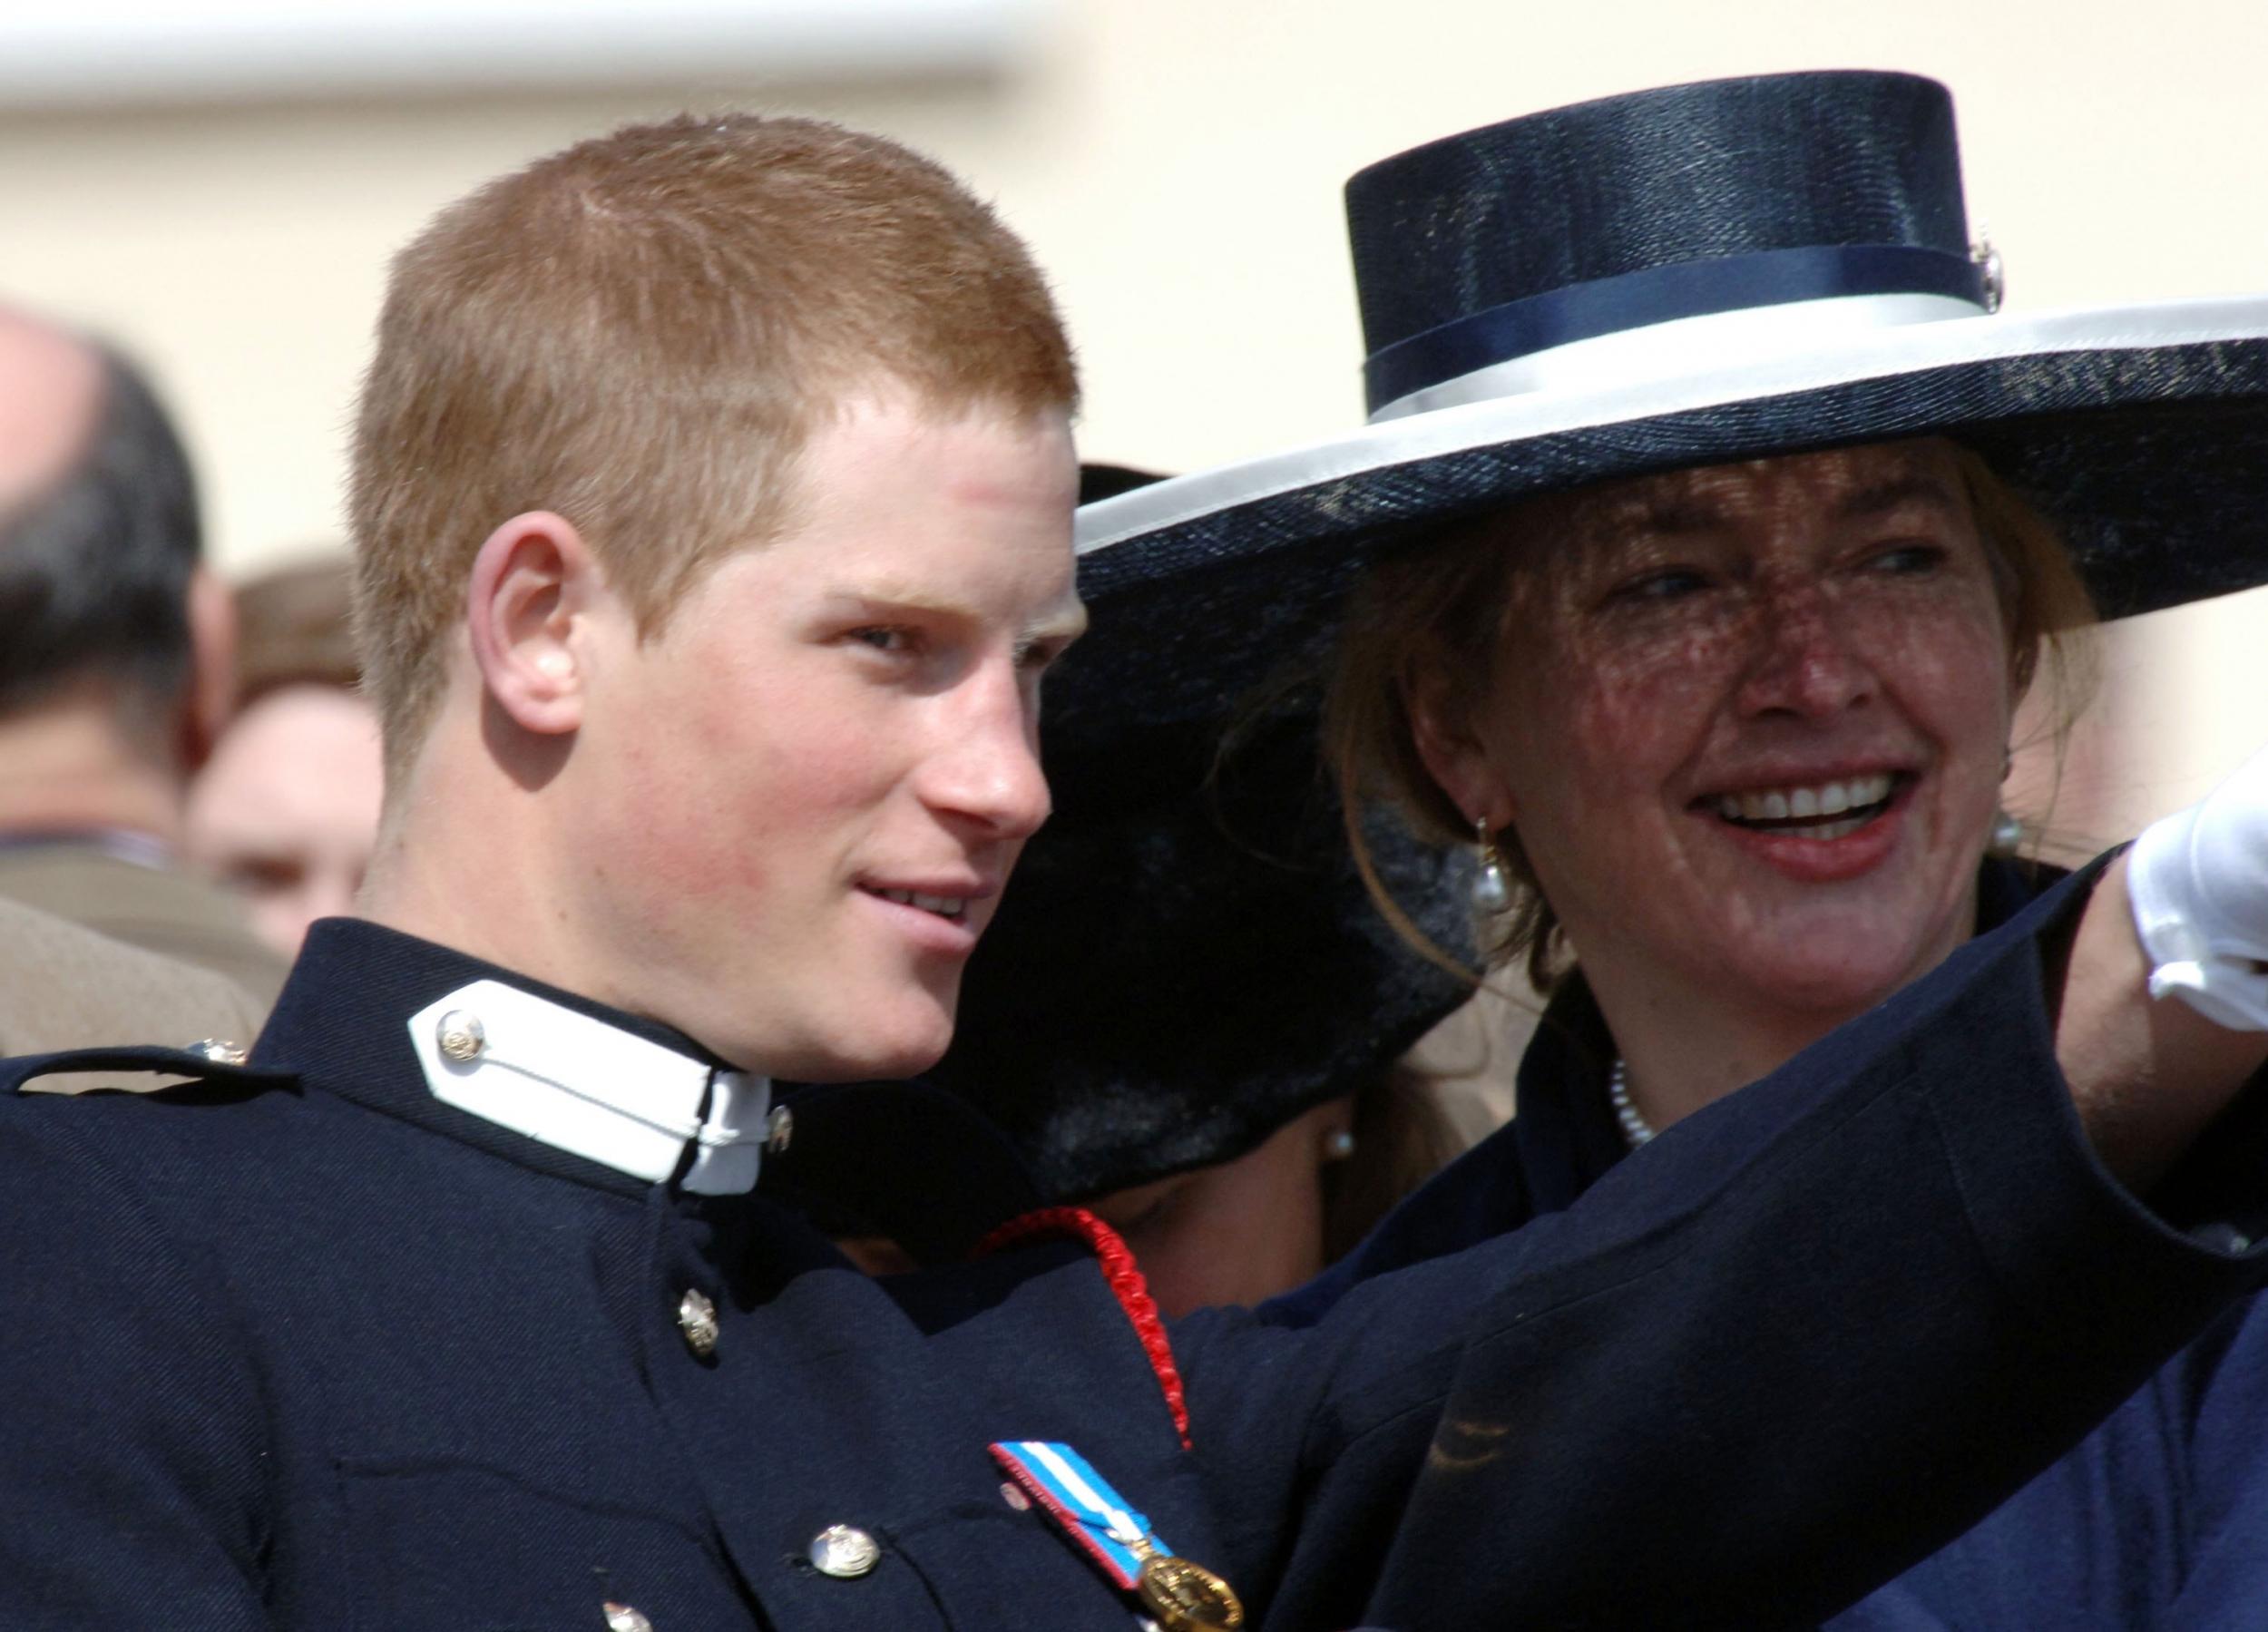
(1186, 1597)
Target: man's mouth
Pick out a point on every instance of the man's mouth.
(1818, 810)
(951, 907)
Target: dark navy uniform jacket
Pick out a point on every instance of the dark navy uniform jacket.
(305, 1345)
(2159, 1519)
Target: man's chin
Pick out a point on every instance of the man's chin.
(879, 1048)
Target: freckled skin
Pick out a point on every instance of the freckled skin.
(1742, 627)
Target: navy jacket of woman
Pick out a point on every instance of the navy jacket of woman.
(304, 1344)
(2158, 1519)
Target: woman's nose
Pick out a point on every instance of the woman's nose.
(1805, 663)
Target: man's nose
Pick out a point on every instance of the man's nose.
(987, 771)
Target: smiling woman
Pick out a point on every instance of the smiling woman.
(1779, 692)
(1697, 577)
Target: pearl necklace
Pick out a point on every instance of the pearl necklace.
(1635, 1130)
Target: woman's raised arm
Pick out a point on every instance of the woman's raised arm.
(2164, 1011)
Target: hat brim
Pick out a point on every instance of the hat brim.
(1187, 958)
(2142, 432)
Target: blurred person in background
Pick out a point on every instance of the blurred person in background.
(286, 811)
(115, 657)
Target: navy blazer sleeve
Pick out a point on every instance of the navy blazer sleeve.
(1759, 1368)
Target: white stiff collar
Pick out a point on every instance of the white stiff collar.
(592, 1089)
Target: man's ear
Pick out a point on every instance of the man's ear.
(210, 696)
(1440, 723)
(534, 588)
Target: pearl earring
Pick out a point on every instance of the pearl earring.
(1492, 886)
(1338, 1145)
(2007, 832)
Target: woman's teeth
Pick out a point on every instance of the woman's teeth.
(1861, 796)
(944, 906)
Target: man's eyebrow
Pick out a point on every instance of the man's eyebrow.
(887, 596)
(1891, 492)
(1064, 620)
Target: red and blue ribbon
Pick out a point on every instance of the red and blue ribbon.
(1098, 1520)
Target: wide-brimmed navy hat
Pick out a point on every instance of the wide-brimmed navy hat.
(1684, 276)
(1187, 957)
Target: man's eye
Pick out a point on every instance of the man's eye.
(884, 636)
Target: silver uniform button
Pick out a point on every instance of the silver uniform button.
(622, 1618)
(697, 1318)
(217, 1051)
(844, 1552)
(460, 1035)
(779, 1130)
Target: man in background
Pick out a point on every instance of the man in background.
(114, 657)
(285, 813)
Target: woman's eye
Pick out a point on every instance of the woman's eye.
(1670, 584)
(1906, 561)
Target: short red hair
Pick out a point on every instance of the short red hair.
(640, 333)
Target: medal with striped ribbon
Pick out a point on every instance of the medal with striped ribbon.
(1183, 1597)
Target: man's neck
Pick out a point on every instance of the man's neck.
(68, 765)
(463, 860)
(421, 884)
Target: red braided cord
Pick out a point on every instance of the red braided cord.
(1125, 1278)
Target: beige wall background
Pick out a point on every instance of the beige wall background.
(1177, 165)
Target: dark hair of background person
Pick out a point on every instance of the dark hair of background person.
(94, 572)
(293, 627)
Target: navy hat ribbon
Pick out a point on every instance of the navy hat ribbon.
(1690, 288)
